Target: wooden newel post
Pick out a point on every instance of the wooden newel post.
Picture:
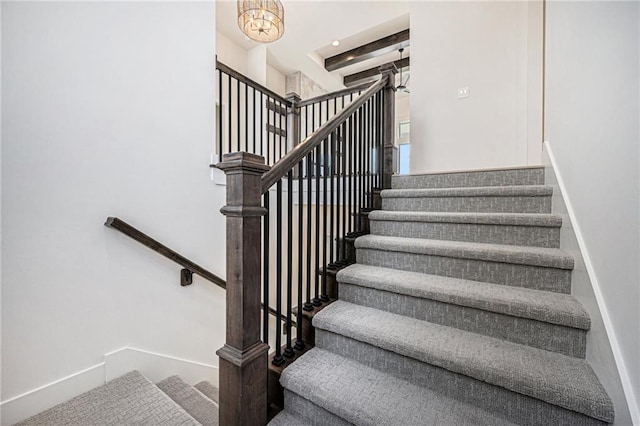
(243, 358)
(389, 123)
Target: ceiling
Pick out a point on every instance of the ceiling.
(311, 26)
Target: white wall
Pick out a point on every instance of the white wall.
(108, 109)
(230, 53)
(485, 46)
(592, 111)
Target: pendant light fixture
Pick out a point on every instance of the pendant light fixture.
(261, 20)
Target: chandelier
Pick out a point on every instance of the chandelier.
(261, 20)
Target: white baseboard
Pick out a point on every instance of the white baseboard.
(604, 312)
(153, 365)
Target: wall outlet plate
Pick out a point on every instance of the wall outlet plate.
(463, 92)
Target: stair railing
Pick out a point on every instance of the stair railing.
(250, 117)
(335, 173)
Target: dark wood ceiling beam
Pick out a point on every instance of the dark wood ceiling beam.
(372, 73)
(368, 51)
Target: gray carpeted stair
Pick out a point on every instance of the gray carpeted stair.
(531, 267)
(348, 392)
(560, 380)
(499, 199)
(133, 400)
(540, 230)
(194, 402)
(209, 390)
(128, 400)
(457, 312)
(503, 177)
(545, 320)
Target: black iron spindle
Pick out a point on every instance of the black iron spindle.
(288, 352)
(229, 110)
(308, 306)
(238, 115)
(278, 359)
(316, 300)
(299, 343)
(220, 125)
(325, 152)
(246, 118)
(265, 269)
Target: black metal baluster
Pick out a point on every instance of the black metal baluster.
(253, 119)
(316, 299)
(288, 352)
(299, 343)
(352, 172)
(325, 152)
(330, 155)
(220, 124)
(229, 110)
(344, 192)
(238, 115)
(308, 306)
(337, 175)
(265, 273)
(262, 125)
(283, 141)
(277, 359)
(246, 118)
(268, 129)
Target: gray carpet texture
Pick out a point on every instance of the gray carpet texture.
(473, 178)
(194, 402)
(128, 400)
(504, 199)
(539, 230)
(561, 380)
(458, 311)
(209, 390)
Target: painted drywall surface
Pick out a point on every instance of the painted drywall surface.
(276, 81)
(483, 46)
(599, 345)
(230, 53)
(592, 109)
(108, 110)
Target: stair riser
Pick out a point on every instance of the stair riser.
(551, 337)
(481, 204)
(310, 412)
(534, 277)
(471, 179)
(534, 236)
(514, 406)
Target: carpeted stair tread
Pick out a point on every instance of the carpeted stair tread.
(465, 178)
(368, 397)
(209, 390)
(516, 219)
(285, 418)
(554, 308)
(128, 400)
(522, 255)
(554, 378)
(194, 402)
(480, 191)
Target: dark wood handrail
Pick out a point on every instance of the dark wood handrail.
(300, 151)
(246, 80)
(336, 94)
(145, 240)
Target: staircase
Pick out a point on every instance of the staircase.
(457, 312)
(134, 400)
